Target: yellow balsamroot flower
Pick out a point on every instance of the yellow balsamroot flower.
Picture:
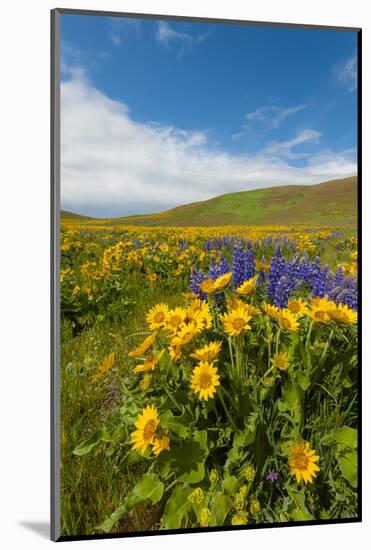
(252, 310)
(273, 312)
(207, 286)
(146, 382)
(200, 310)
(87, 290)
(262, 266)
(204, 380)
(240, 518)
(146, 425)
(174, 353)
(208, 352)
(174, 319)
(160, 444)
(344, 315)
(152, 277)
(236, 321)
(221, 282)
(233, 302)
(302, 461)
(288, 321)
(299, 307)
(156, 317)
(106, 365)
(150, 363)
(321, 310)
(185, 334)
(145, 346)
(205, 517)
(280, 361)
(247, 287)
(76, 290)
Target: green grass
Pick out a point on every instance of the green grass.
(93, 486)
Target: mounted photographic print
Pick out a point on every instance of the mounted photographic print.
(205, 195)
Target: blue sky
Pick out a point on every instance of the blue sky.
(161, 113)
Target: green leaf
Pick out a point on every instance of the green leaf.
(149, 487)
(86, 446)
(220, 506)
(298, 510)
(348, 463)
(303, 380)
(188, 459)
(177, 508)
(230, 485)
(175, 424)
(346, 436)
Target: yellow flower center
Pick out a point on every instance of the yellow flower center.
(295, 307)
(159, 317)
(175, 320)
(205, 380)
(149, 430)
(320, 315)
(238, 324)
(299, 459)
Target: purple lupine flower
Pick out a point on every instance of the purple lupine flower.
(238, 265)
(271, 476)
(319, 282)
(276, 271)
(196, 278)
(281, 292)
(249, 264)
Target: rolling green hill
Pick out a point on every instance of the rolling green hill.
(331, 202)
(66, 215)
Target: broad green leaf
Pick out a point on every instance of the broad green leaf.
(303, 380)
(175, 424)
(149, 487)
(230, 485)
(298, 510)
(348, 463)
(346, 436)
(86, 446)
(177, 508)
(220, 507)
(188, 459)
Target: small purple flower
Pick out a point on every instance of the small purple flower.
(271, 476)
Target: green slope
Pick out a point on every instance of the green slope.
(332, 202)
(66, 215)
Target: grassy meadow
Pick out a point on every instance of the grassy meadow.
(209, 363)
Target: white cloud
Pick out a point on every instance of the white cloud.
(284, 148)
(346, 73)
(113, 165)
(123, 28)
(166, 35)
(273, 115)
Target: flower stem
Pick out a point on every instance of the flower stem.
(226, 410)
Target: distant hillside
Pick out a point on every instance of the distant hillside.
(66, 215)
(331, 202)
